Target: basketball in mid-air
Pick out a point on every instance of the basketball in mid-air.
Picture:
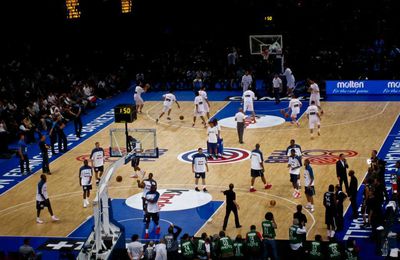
(181, 117)
(119, 178)
(272, 203)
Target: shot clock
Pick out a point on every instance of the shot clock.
(124, 113)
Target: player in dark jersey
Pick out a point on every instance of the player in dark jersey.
(330, 211)
(171, 241)
(239, 248)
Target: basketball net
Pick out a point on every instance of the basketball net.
(265, 54)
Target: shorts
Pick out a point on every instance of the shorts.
(312, 122)
(309, 191)
(294, 178)
(138, 100)
(330, 217)
(212, 146)
(135, 162)
(154, 216)
(257, 173)
(100, 168)
(87, 187)
(290, 85)
(295, 111)
(199, 113)
(248, 106)
(316, 99)
(42, 204)
(166, 108)
(199, 175)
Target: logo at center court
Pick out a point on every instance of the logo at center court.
(231, 155)
(262, 121)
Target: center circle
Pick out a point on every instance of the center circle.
(263, 121)
(173, 199)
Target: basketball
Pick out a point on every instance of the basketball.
(181, 117)
(119, 178)
(272, 203)
(286, 115)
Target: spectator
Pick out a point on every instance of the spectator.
(135, 248)
(295, 239)
(239, 248)
(27, 252)
(187, 247)
(23, 155)
(161, 250)
(269, 226)
(171, 240)
(353, 187)
(301, 217)
(340, 196)
(224, 246)
(253, 243)
(203, 249)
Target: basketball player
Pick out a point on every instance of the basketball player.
(169, 100)
(138, 96)
(315, 94)
(294, 165)
(153, 210)
(212, 140)
(146, 184)
(199, 168)
(330, 211)
(309, 185)
(135, 160)
(247, 98)
(85, 180)
(247, 80)
(299, 153)
(314, 118)
(290, 81)
(199, 109)
(294, 107)
(257, 168)
(203, 94)
(97, 159)
(42, 200)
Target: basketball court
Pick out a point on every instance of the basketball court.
(353, 128)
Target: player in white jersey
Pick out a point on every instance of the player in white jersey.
(248, 98)
(97, 159)
(290, 81)
(42, 199)
(199, 168)
(294, 165)
(247, 80)
(146, 184)
(314, 118)
(85, 180)
(199, 109)
(309, 184)
(315, 94)
(138, 96)
(203, 94)
(169, 100)
(294, 107)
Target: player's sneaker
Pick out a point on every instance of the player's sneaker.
(84, 204)
(196, 189)
(319, 134)
(252, 190)
(268, 186)
(158, 230)
(297, 195)
(146, 236)
(168, 118)
(307, 206)
(312, 210)
(39, 221)
(157, 121)
(54, 218)
(205, 190)
(134, 175)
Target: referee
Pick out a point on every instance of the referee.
(231, 205)
(240, 118)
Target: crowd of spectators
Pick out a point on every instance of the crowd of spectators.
(34, 94)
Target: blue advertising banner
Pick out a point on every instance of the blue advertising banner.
(363, 87)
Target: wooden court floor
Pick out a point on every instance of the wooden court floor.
(358, 126)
